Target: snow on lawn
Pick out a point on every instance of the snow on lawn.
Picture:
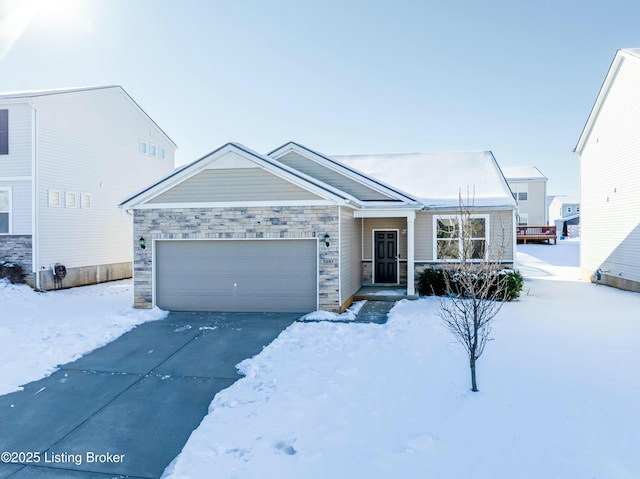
(559, 393)
(39, 331)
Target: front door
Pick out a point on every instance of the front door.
(386, 257)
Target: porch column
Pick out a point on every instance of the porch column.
(411, 290)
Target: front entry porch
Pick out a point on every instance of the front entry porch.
(383, 293)
(388, 252)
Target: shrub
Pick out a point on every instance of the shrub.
(432, 281)
(13, 272)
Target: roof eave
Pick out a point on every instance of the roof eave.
(616, 63)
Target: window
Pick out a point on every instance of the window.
(5, 210)
(70, 200)
(162, 153)
(54, 199)
(577, 209)
(153, 150)
(4, 132)
(144, 147)
(523, 219)
(520, 191)
(85, 200)
(458, 236)
(569, 209)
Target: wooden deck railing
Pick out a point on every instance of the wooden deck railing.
(530, 234)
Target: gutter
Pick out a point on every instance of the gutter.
(35, 250)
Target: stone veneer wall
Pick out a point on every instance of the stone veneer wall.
(18, 249)
(298, 222)
(367, 267)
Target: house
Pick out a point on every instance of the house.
(67, 158)
(609, 149)
(296, 230)
(529, 188)
(564, 214)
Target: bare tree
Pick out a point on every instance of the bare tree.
(475, 282)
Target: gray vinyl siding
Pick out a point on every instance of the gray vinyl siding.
(500, 230)
(331, 177)
(610, 181)
(20, 205)
(350, 254)
(237, 184)
(18, 161)
(88, 143)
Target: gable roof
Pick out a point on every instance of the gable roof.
(522, 173)
(188, 171)
(439, 179)
(628, 54)
(29, 94)
(366, 188)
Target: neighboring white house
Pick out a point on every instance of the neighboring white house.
(529, 188)
(609, 149)
(67, 158)
(296, 230)
(564, 214)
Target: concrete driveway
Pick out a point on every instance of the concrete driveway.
(128, 408)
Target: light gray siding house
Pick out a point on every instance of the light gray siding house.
(609, 149)
(564, 214)
(67, 158)
(529, 188)
(294, 230)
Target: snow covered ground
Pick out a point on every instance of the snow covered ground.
(559, 389)
(559, 393)
(39, 331)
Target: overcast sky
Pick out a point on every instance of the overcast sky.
(341, 77)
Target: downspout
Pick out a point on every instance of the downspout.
(514, 240)
(35, 250)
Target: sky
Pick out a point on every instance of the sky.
(339, 76)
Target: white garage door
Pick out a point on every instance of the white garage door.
(240, 276)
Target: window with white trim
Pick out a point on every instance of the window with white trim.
(162, 153)
(520, 191)
(5, 210)
(153, 150)
(456, 236)
(144, 147)
(523, 219)
(54, 198)
(569, 209)
(85, 200)
(70, 200)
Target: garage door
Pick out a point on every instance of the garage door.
(241, 276)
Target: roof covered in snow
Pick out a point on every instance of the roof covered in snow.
(632, 51)
(522, 173)
(52, 91)
(440, 179)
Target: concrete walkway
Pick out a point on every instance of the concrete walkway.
(374, 312)
(127, 409)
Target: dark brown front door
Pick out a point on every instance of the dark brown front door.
(386, 257)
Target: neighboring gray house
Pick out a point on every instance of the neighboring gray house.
(564, 214)
(67, 158)
(609, 149)
(296, 230)
(529, 188)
